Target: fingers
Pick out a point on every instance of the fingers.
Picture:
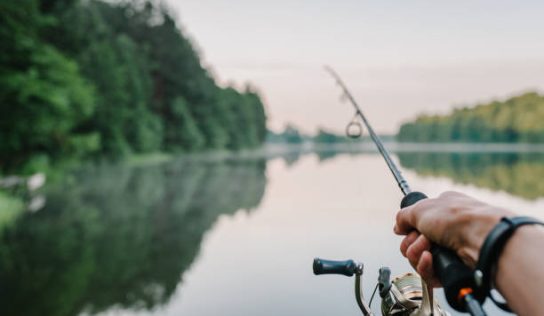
(408, 216)
(408, 241)
(405, 221)
(420, 257)
(416, 249)
(425, 267)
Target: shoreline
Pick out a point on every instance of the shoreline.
(395, 147)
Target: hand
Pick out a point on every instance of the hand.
(453, 220)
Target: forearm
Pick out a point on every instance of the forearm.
(520, 276)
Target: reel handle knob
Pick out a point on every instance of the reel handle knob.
(347, 267)
(448, 267)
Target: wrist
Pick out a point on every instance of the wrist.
(478, 226)
(519, 270)
(494, 248)
(525, 237)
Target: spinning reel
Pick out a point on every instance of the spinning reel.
(404, 295)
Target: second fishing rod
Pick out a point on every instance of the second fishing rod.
(456, 278)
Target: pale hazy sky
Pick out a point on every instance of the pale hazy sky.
(400, 58)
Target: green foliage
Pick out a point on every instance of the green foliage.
(255, 118)
(85, 77)
(182, 132)
(290, 135)
(10, 208)
(43, 97)
(518, 119)
(327, 137)
(516, 173)
(113, 236)
(244, 118)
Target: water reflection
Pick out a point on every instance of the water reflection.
(120, 240)
(519, 174)
(118, 236)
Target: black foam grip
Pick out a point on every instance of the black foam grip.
(322, 266)
(450, 270)
(454, 276)
(411, 198)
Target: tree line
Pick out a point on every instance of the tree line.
(292, 135)
(517, 119)
(89, 78)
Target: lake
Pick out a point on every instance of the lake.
(233, 236)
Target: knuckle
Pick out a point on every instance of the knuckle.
(425, 243)
(449, 194)
(403, 247)
(464, 217)
(399, 215)
(421, 207)
(424, 204)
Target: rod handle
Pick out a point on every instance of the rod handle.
(454, 275)
(323, 266)
(412, 198)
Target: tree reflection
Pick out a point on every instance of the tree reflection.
(516, 173)
(120, 236)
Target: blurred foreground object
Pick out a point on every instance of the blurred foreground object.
(405, 295)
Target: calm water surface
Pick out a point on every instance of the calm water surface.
(231, 237)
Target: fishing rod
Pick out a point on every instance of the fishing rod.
(457, 279)
(403, 184)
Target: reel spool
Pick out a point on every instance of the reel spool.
(406, 298)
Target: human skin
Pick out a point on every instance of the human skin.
(461, 223)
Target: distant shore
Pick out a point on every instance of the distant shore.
(393, 146)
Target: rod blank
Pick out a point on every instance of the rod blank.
(403, 184)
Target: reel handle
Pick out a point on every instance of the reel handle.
(347, 267)
(454, 275)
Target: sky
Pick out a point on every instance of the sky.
(399, 58)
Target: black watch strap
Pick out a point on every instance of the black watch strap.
(492, 248)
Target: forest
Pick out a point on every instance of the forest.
(517, 119)
(83, 79)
